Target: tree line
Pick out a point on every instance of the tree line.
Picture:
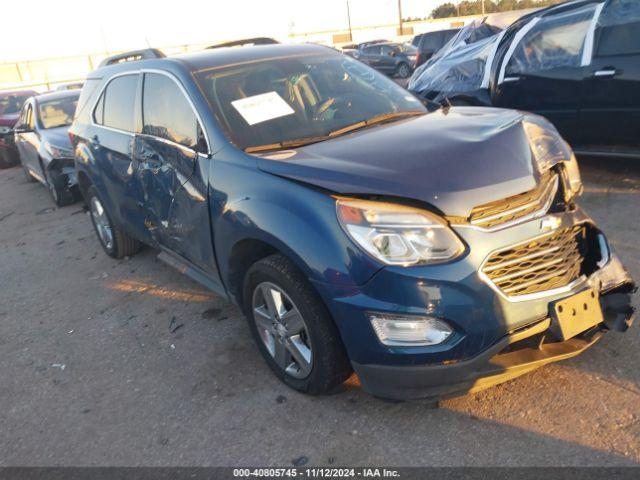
(474, 7)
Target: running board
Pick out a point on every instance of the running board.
(194, 273)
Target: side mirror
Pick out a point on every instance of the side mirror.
(392, 53)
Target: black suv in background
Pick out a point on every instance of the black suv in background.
(429, 43)
(390, 58)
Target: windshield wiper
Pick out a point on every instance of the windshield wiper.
(299, 142)
(382, 118)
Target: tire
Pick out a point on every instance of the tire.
(117, 244)
(59, 190)
(403, 70)
(328, 364)
(5, 159)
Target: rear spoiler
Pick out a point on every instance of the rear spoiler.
(246, 41)
(132, 56)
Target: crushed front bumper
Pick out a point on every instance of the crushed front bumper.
(495, 337)
(510, 357)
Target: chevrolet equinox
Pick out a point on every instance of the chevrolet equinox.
(433, 253)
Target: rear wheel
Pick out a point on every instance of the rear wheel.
(292, 327)
(404, 70)
(115, 242)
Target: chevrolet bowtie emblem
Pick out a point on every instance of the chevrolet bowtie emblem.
(550, 223)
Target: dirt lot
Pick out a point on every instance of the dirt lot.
(107, 362)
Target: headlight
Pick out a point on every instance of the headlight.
(549, 149)
(57, 152)
(396, 234)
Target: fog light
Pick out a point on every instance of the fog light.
(407, 331)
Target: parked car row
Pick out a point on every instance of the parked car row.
(341, 216)
(391, 58)
(577, 63)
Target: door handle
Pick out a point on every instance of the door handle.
(511, 79)
(606, 72)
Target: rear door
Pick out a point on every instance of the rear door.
(388, 59)
(116, 118)
(172, 165)
(610, 114)
(542, 70)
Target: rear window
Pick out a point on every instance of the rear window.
(12, 104)
(88, 92)
(117, 104)
(57, 113)
(431, 42)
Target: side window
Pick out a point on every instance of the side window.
(387, 50)
(431, 42)
(167, 113)
(31, 121)
(618, 30)
(553, 42)
(372, 50)
(117, 104)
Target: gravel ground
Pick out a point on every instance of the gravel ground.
(107, 362)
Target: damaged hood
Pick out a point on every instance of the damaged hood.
(453, 161)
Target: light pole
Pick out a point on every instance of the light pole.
(400, 15)
(349, 21)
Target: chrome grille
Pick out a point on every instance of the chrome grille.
(516, 207)
(542, 264)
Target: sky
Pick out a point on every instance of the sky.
(72, 27)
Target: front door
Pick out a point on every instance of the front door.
(610, 113)
(27, 142)
(172, 169)
(542, 71)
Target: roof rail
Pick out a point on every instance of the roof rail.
(132, 56)
(246, 41)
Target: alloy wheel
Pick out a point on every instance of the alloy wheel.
(101, 221)
(282, 330)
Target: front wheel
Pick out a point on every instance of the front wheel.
(115, 242)
(59, 190)
(292, 327)
(404, 70)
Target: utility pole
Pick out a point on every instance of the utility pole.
(349, 20)
(400, 15)
(482, 7)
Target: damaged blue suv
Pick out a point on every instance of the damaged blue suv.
(433, 253)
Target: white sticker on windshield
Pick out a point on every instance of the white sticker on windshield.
(263, 107)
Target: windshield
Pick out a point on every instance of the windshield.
(276, 101)
(12, 104)
(57, 113)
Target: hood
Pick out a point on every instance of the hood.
(8, 120)
(58, 137)
(453, 161)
